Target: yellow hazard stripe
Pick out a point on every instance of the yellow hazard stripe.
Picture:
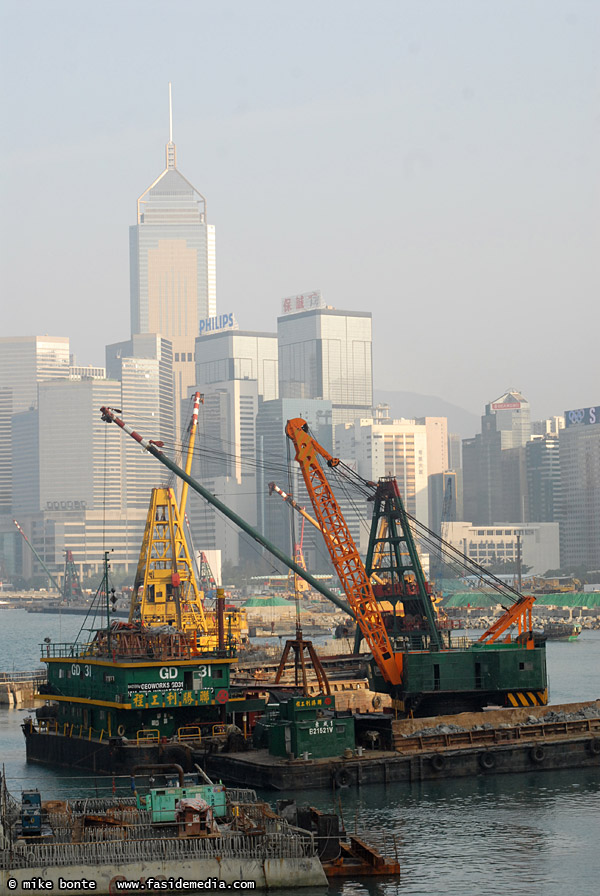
(528, 698)
(519, 698)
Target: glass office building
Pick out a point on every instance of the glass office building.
(326, 354)
(238, 355)
(494, 476)
(172, 253)
(579, 452)
(173, 281)
(25, 361)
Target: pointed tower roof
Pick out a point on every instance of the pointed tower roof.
(171, 190)
(511, 399)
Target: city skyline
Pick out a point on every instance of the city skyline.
(433, 164)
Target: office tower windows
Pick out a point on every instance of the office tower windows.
(173, 267)
(326, 354)
(494, 476)
(579, 449)
(25, 361)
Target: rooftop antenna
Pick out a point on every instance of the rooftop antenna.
(171, 155)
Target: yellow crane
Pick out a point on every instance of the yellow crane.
(165, 590)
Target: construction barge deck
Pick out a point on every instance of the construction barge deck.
(498, 742)
(187, 836)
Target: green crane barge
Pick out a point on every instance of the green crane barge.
(415, 661)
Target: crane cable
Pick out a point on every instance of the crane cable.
(431, 538)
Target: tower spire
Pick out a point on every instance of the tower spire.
(171, 153)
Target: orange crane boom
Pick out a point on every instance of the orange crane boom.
(343, 551)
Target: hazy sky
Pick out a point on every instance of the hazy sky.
(433, 162)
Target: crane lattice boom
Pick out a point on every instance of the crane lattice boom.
(343, 551)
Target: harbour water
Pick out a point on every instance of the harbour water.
(534, 833)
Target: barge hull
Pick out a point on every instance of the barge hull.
(502, 741)
(386, 768)
(104, 758)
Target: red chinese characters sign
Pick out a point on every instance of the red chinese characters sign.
(305, 301)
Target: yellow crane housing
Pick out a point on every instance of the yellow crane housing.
(165, 590)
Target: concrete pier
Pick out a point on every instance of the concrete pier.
(18, 688)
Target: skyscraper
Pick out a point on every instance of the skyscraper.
(68, 482)
(494, 479)
(325, 353)
(390, 448)
(173, 265)
(144, 367)
(231, 355)
(542, 462)
(579, 449)
(271, 452)
(79, 461)
(235, 370)
(25, 361)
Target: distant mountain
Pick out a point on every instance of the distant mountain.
(411, 404)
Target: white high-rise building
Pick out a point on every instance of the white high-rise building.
(25, 361)
(437, 443)
(393, 448)
(235, 371)
(144, 367)
(238, 355)
(79, 461)
(68, 476)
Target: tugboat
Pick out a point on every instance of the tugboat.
(561, 631)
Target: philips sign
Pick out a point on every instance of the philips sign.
(217, 323)
(583, 416)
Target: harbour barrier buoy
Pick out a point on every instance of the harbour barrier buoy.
(537, 753)
(487, 760)
(438, 762)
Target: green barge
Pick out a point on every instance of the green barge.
(134, 695)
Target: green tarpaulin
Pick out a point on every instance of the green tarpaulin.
(484, 600)
(268, 602)
(472, 599)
